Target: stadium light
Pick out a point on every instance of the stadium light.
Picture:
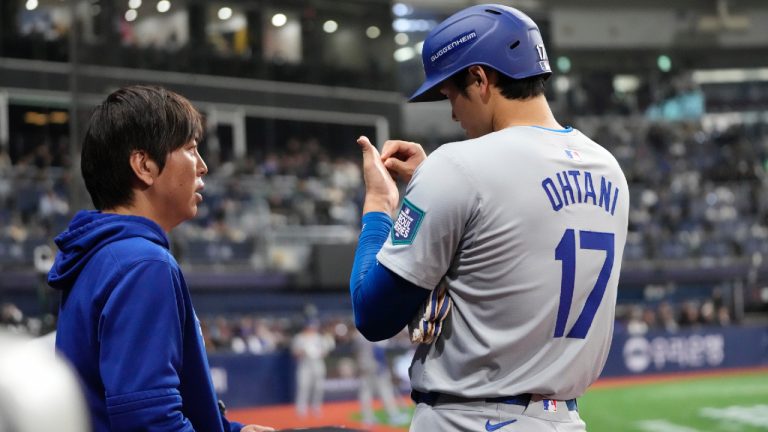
(372, 32)
(131, 15)
(35, 118)
(664, 63)
(225, 13)
(401, 25)
(562, 84)
(330, 26)
(279, 20)
(404, 54)
(163, 6)
(134, 4)
(563, 64)
(400, 9)
(401, 38)
(413, 25)
(626, 83)
(58, 117)
(31, 5)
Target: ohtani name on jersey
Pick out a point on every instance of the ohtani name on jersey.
(578, 187)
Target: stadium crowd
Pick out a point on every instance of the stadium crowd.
(639, 318)
(697, 196)
(268, 333)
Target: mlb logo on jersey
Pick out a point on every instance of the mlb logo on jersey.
(407, 223)
(573, 155)
(549, 405)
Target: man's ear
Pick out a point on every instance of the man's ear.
(480, 77)
(145, 169)
(477, 75)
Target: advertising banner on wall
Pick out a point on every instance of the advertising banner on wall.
(684, 351)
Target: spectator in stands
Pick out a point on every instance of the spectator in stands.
(262, 340)
(17, 228)
(51, 205)
(126, 320)
(717, 298)
(649, 318)
(723, 316)
(636, 326)
(707, 313)
(252, 336)
(667, 317)
(310, 347)
(689, 314)
(221, 334)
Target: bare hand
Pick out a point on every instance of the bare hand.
(381, 192)
(402, 158)
(256, 428)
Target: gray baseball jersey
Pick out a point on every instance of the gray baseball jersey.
(526, 227)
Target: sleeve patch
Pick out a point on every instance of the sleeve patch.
(407, 224)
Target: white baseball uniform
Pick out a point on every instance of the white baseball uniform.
(525, 227)
(311, 348)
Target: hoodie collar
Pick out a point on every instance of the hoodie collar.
(91, 230)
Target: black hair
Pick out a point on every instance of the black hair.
(510, 88)
(147, 118)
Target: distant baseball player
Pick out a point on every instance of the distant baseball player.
(310, 347)
(375, 379)
(507, 246)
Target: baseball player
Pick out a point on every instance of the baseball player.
(375, 378)
(507, 246)
(311, 347)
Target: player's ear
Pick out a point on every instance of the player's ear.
(480, 77)
(477, 75)
(145, 169)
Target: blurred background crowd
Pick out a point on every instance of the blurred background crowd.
(678, 93)
(699, 200)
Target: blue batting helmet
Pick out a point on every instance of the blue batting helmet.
(493, 35)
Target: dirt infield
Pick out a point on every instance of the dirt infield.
(334, 414)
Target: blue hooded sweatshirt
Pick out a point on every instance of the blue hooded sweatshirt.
(127, 325)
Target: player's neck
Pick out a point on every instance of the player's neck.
(529, 112)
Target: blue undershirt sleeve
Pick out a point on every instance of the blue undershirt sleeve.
(383, 302)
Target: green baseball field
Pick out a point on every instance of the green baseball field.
(730, 402)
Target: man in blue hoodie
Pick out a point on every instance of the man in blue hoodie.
(126, 321)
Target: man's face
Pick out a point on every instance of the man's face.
(466, 108)
(179, 185)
